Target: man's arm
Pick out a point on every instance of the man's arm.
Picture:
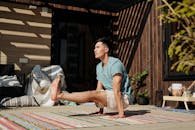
(117, 80)
(99, 88)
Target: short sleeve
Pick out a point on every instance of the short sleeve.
(117, 68)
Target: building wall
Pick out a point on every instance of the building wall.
(25, 35)
(149, 52)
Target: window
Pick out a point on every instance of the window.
(168, 74)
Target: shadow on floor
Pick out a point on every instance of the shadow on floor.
(128, 113)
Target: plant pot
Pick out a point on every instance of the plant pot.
(143, 100)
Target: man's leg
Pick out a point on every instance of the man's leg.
(79, 97)
(55, 88)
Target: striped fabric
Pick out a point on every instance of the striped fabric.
(39, 74)
(9, 81)
(22, 101)
(76, 119)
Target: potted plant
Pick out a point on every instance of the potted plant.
(137, 84)
(142, 97)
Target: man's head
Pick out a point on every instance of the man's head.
(102, 47)
(106, 41)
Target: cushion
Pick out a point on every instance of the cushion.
(9, 81)
(38, 83)
(22, 101)
(10, 87)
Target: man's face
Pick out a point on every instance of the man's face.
(100, 50)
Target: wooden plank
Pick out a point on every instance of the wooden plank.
(177, 98)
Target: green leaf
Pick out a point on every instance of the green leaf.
(182, 46)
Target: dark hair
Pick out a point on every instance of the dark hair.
(106, 41)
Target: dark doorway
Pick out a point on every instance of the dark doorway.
(73, 34)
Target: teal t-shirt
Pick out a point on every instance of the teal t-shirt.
(105, 75)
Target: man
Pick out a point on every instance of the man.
(113, 85)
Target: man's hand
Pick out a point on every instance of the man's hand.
(118, 116)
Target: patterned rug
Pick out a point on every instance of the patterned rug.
(77, 118)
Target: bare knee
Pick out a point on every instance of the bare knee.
(97, 96)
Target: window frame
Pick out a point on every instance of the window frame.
(168, 74)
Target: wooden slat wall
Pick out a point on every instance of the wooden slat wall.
(130, 27)
(24, 33)
(148, 54)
